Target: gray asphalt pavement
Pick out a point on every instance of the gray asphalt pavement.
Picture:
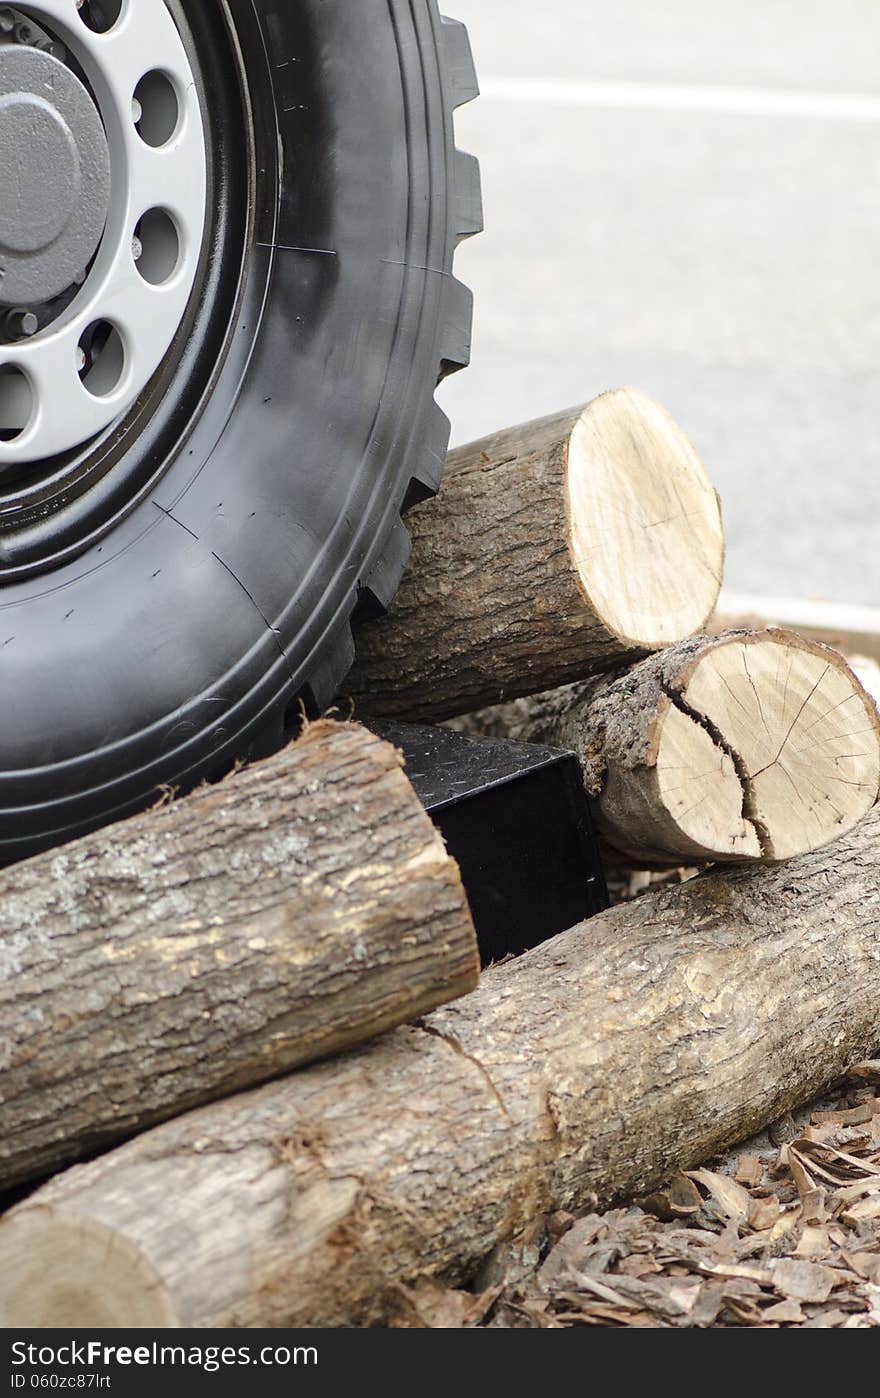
(726, 262)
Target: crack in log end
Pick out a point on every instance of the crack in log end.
(803, 734)
(685, 754)
(749, 811)
(455, 1044)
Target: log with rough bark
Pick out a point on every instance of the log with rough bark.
(305, 904)
(648, 1038)
(553, 551)
(752, 745)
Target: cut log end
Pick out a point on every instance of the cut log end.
(78, 1274)
(769, 748)
(645, 522)
(748, 746)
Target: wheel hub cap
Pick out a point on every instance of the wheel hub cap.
(103, 200)
(54, 173)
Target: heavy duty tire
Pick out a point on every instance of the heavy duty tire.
(174, 589)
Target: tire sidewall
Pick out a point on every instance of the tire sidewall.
(179, 641)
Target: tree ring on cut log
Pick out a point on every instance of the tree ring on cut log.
(769, 747)
(79, 1274)
(644, 520)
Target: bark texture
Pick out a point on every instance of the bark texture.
(647, 1039)
(553, 551)
(751, 745)
(305, 904)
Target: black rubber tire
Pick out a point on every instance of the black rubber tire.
(186, 636)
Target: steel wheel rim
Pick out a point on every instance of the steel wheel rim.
(138, 291)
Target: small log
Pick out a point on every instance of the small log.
(303, 905)
(647, 1039)
(553, 551)
(752, 745)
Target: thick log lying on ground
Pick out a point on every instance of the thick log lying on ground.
(753, 745)
(305, 904)
(553, 551)
(648, 1038)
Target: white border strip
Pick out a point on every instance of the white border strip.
(675, 97)
(857, 626)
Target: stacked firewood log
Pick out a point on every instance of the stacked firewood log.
(164, 984)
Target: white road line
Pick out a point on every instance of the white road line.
(674, 97)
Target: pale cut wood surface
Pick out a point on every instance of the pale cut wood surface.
(647, 1039)
(746, 746)
(553, 551)
(304, 904)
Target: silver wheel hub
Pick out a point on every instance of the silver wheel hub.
(103, 147)
(55, 172)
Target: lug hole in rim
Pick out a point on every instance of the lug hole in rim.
(100, 15)
(129, 329)
(100, 358)
(155, 109)
(156, 247)
(16, 402)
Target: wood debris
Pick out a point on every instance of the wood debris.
(784, 1233)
